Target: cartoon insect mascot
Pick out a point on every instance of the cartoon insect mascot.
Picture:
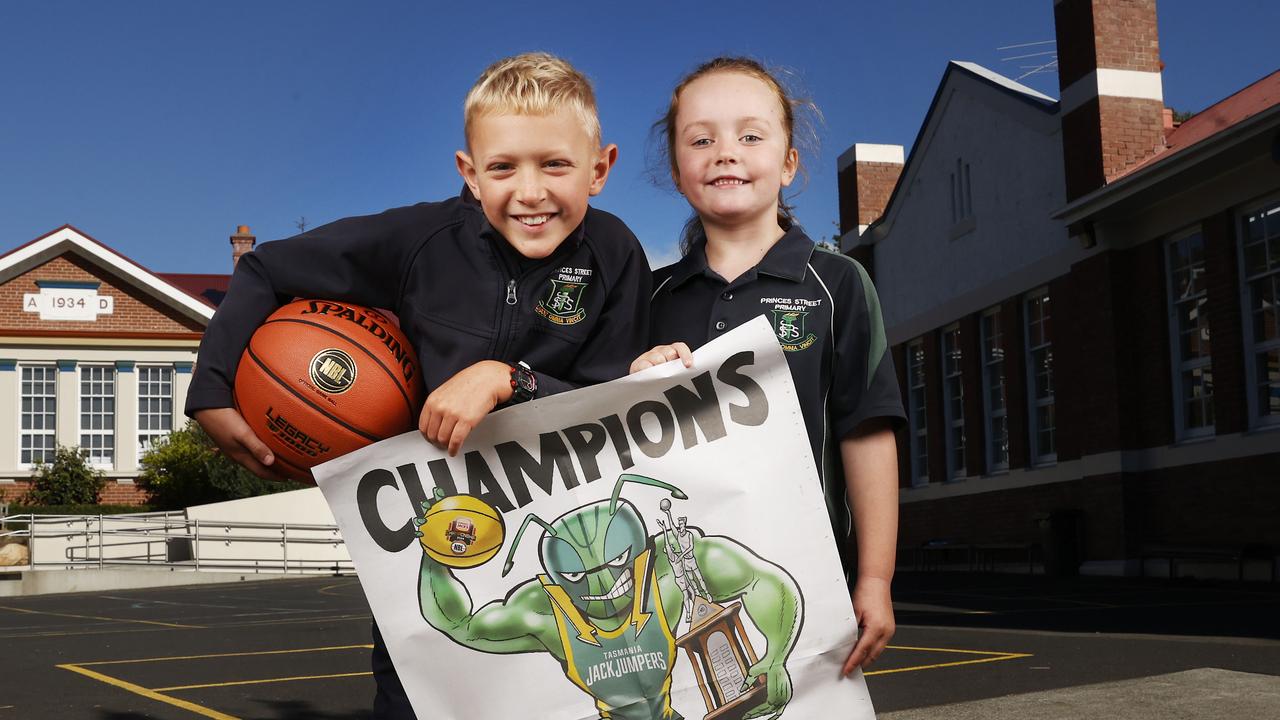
(608, 604)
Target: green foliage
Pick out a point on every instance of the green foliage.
(186, 468)
(68, 480)
(78, 509)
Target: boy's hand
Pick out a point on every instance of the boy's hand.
(662, 354)
(232, 435)
(874, 609)
(457, 406)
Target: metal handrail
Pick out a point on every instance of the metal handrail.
(87, 544)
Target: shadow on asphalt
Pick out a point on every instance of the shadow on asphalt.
(1186, 607)
(273, 709)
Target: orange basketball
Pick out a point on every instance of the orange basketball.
(321, 378)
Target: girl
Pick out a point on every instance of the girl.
(729, 135)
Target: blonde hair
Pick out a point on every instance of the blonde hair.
(532, 84)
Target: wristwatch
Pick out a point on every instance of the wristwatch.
(524, 384)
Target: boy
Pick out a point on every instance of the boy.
(480, 283)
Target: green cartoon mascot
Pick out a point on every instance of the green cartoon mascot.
(609, 601)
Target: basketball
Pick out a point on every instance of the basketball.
(322, 378)
(462, 531)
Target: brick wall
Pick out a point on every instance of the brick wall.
(133, 311)
(1132, 130)
(1228, 502)
(1011, 516)
(1144, 391)
(113, 493)
(1222, 279)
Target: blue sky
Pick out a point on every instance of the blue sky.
(157, 127)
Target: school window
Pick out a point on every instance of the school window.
(1189, 336)
(98, 414)
(1040, 378)
(961, 193)
(993, 390)
(1260, 261)
(917, 414)
(39, 414)
(953, 397)
(155, 405)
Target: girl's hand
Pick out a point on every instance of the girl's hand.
(457, 406)
(874, 609)
(663, 354)
(233, 436)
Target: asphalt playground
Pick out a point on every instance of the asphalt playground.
(968, 645)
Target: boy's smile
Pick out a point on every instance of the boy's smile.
(533, 175)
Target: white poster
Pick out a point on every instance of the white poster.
(655, 547)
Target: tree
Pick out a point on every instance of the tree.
(68, 480)
(185, 468)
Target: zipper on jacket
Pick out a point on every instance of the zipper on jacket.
(511, 292)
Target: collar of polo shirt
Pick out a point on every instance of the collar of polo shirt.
(787, 259)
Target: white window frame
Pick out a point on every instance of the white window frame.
(1180, 365)
(919, 433)
(1034, 403)
(107, 433)
(146, 436)
(49, 431)
(992, 414)
(1252, 346)
(954, 416)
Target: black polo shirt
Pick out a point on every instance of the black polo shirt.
(826, 314)
(461, 292)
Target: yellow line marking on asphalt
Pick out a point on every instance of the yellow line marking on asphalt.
(366, 673)
(224, 655)
(97, 617)
(325, 590)
(151, 694)
(994, 657)
(948, 650)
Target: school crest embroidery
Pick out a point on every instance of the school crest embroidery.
(789, 327)
(562, 303)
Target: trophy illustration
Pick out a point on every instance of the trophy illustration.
(716, 641)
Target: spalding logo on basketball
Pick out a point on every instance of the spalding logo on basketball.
(462, 531)
(333, 371)
(321, 378)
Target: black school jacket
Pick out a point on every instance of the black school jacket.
(462, 295)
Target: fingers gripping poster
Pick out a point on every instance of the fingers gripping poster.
(653, 548)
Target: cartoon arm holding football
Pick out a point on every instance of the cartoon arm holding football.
(607, 589)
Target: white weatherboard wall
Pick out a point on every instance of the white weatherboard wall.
(928, 268)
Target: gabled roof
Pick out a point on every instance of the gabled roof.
(208, 288)
(69, 239)
(1226, 113)
(989, 78)
(1232, 122)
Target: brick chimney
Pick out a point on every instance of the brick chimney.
(241, 243)
(1112, 105)
(866, 177)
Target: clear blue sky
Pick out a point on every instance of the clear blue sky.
(157, 127)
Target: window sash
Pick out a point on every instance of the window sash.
(38, 414)
(1259, 263)
(953, 401)
(98, 414)
(155, 405)
(1189, 336)
(917, 414)
(1040, 387)
(994, 392)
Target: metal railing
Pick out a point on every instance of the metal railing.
(175, 541)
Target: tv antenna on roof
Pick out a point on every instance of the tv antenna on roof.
(1038, 57)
